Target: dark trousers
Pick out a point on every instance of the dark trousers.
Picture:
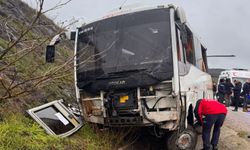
(236, 102)
(245, 102)
(221, 98)
(210, 120)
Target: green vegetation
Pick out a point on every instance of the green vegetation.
(20, 133)
(18, 69)
(3, 43)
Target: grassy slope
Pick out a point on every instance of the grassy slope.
(18, 131)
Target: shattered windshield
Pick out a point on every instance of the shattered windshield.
(134, 41)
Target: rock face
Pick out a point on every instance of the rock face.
(21, 14)
(25, 78)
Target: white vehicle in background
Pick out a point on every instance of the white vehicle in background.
(235, 74)
(140, 68)
(241, 75)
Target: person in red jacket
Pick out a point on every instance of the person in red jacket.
(209, 113)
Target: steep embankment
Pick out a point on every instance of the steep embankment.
(25, 77)
(27, 81)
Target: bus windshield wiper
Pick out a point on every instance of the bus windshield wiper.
(143, 71)
(118, 74)
(126, 71)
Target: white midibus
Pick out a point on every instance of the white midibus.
(143, 68)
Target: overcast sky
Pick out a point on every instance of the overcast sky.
(223, 25)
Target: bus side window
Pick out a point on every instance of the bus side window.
(189, 48)
(204, 57)
(198, 54)
(179, 47)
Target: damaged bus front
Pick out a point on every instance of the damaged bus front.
(124, 69)
(143, 68)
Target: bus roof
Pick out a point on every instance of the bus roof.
(127, 10)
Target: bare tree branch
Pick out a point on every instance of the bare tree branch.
(25, 31)
(57, 6)
(20, 48)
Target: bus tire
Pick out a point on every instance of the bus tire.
(186, 140)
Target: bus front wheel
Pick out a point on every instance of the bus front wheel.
(186, 140)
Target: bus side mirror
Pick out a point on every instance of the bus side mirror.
(50, 54)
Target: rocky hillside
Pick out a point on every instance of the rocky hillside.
(25, 79)
(15, 13)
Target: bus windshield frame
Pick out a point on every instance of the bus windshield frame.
(134, 41)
